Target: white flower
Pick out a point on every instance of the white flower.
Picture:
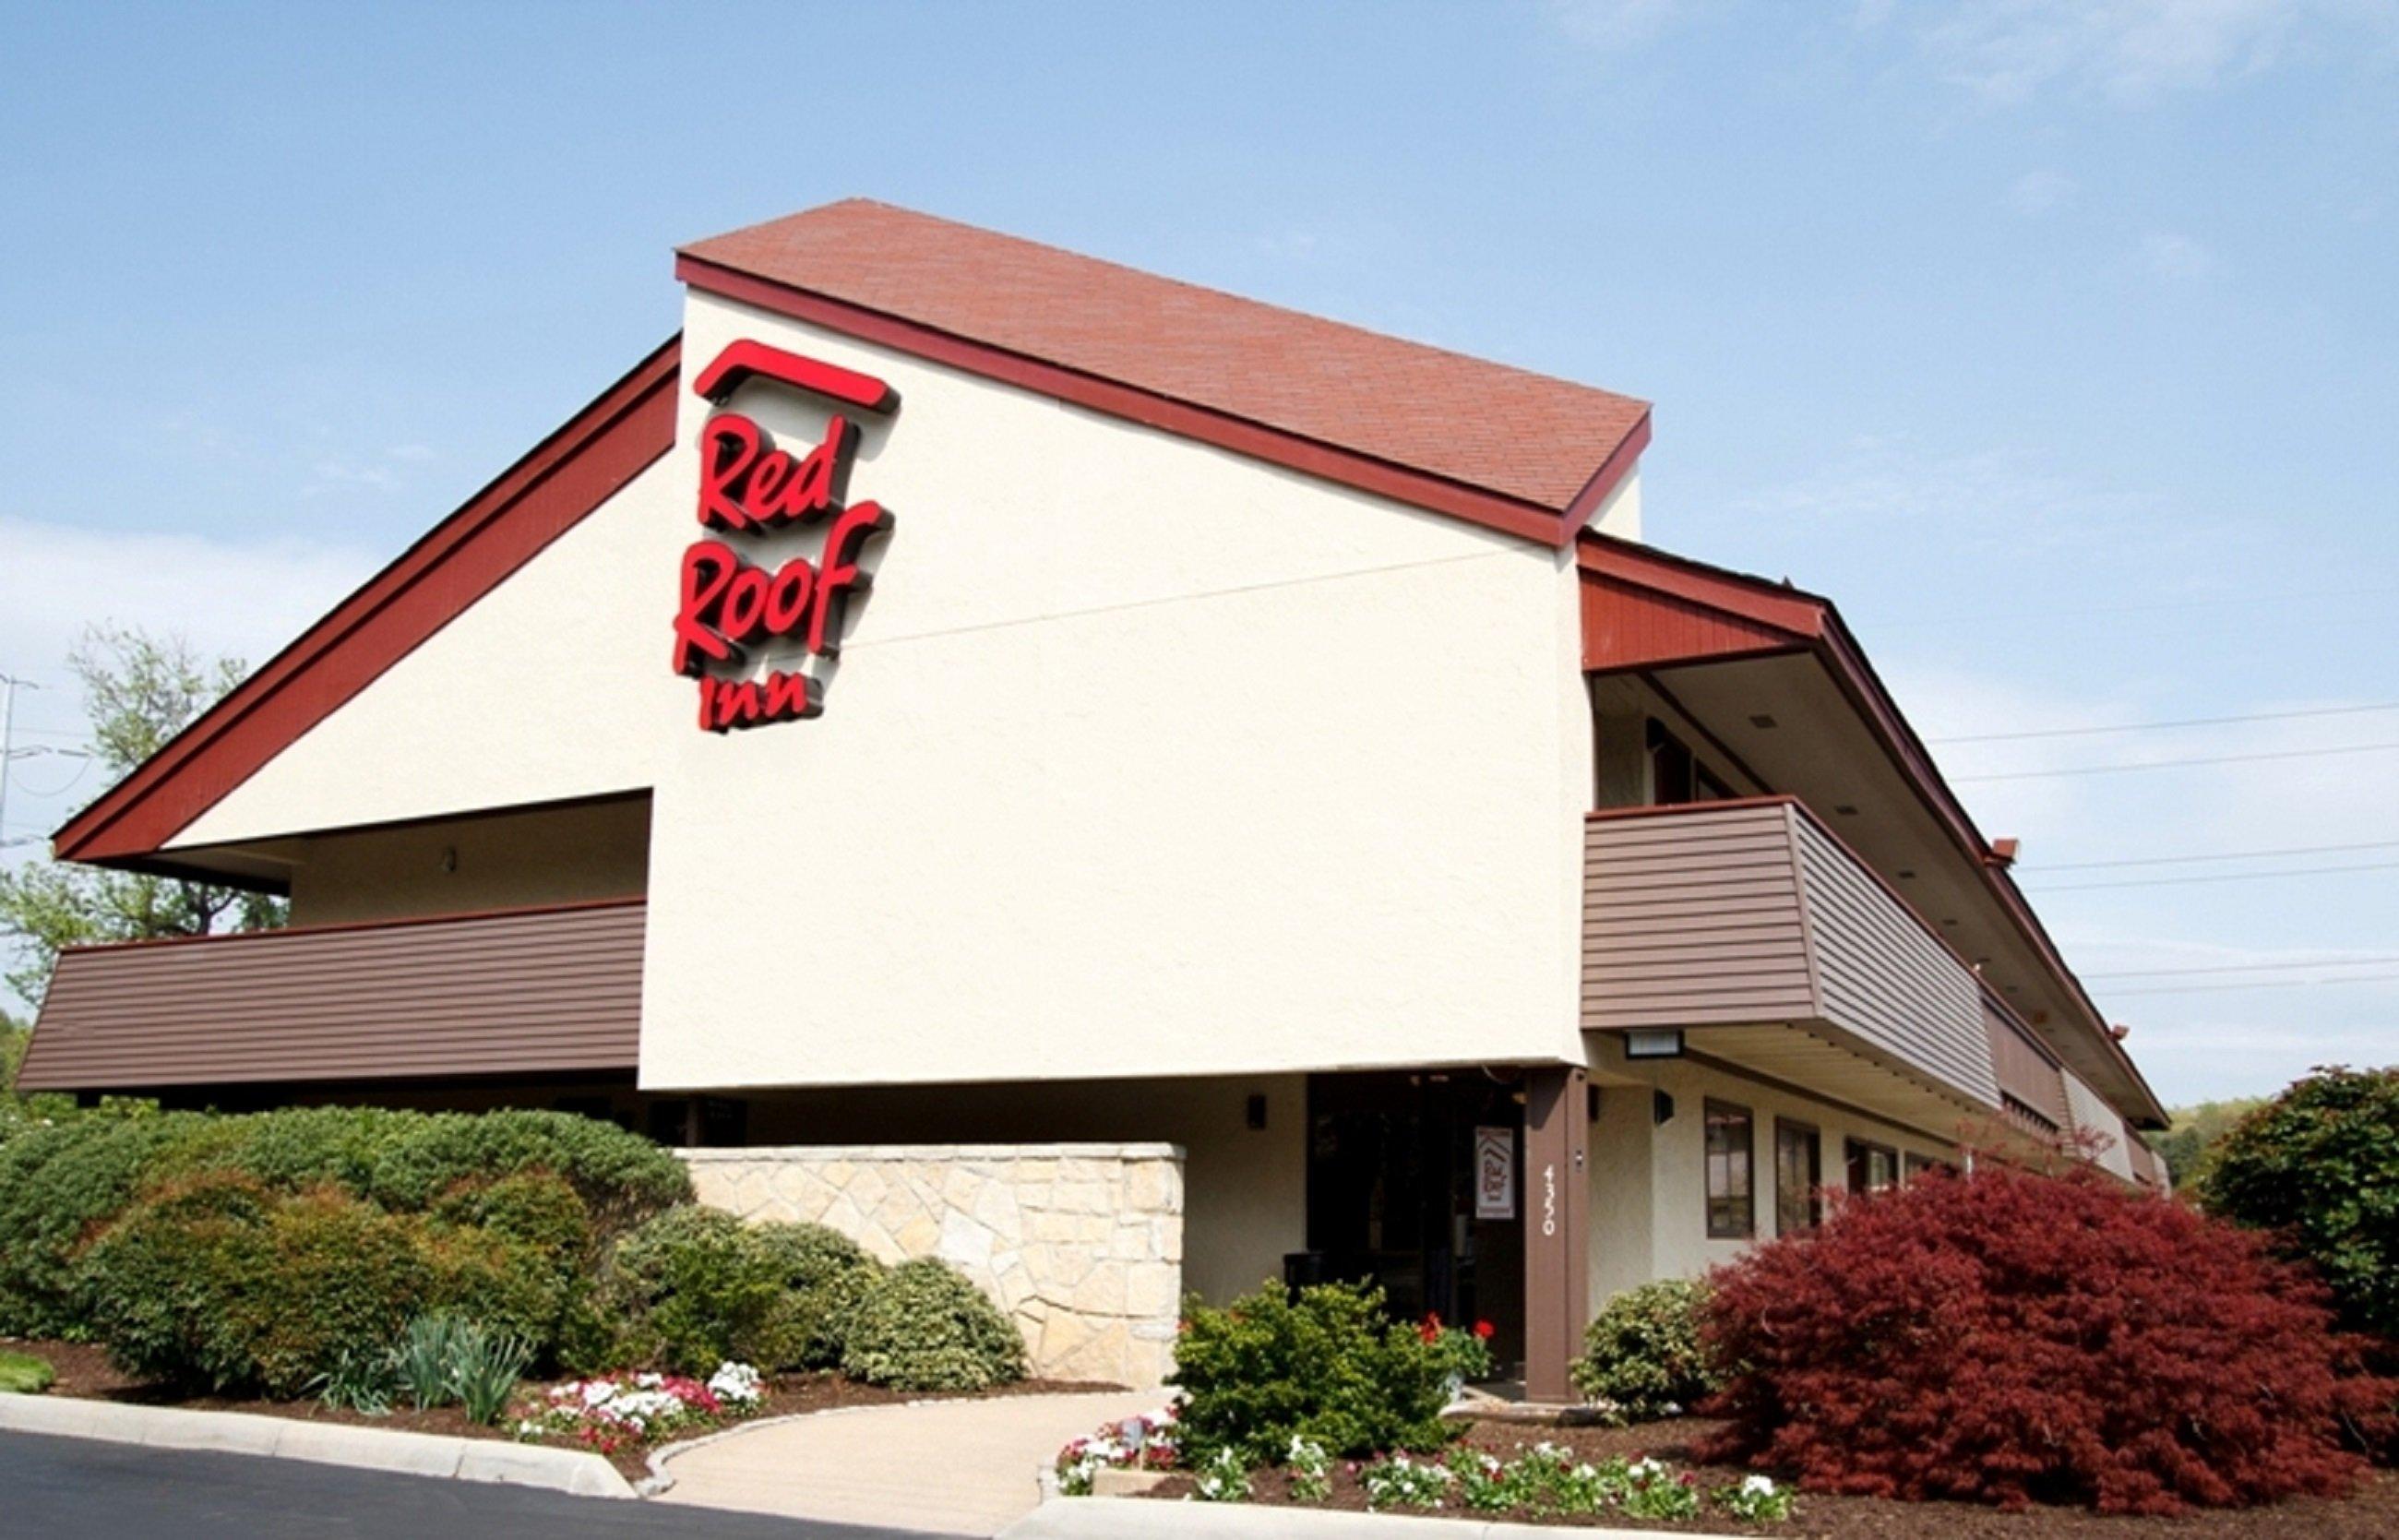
(1762, 1486)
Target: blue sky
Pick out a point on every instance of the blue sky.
(2059, 343)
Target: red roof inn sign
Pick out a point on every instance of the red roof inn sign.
(750, 489)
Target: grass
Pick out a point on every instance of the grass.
(24, 1373)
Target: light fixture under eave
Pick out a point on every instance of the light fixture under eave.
(1654, 1043)
(1845, 809)
(1761, 720)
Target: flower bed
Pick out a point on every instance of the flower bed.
(84, 1371)
(1724, 1493)
(609, 1412)
(1146, 1443)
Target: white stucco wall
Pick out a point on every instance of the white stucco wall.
(1649, 1208)
(1142, 758)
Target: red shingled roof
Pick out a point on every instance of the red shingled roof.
(1523, 437)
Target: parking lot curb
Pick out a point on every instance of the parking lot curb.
(572, 1471)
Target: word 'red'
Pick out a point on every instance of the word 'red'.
(727, 603)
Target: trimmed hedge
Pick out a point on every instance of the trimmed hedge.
(922, 1325)
(60, 1186)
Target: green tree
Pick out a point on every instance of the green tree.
(2318, 1167)
(138, 691)
(2193, 1132)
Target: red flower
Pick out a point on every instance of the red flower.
(1484, 1330)
(1430, 1329)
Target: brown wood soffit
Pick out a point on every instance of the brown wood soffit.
(543, 495)
(1184, 418)
(1643, 608)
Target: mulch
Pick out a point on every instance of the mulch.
(84, 1371)
(2372, 1514)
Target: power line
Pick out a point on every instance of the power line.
(2157, 727)
(2115, 611)
(2261, 983)
(2239, 968)
(2221, 877)
(2221, 855)
(2172, 764)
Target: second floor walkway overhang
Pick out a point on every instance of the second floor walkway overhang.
(1769, 678)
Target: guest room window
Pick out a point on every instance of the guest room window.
(1799, 1173)
(1732, 1209)
(1872, 1167)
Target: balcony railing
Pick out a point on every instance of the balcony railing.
(1750, 915)
(529, 991)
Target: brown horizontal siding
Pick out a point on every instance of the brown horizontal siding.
(520, 992)
(2025, 1070)
(2147, 1166)
(1747, 913)
(1883, 977)
(1690, 921)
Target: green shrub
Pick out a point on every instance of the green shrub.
(1641, 1355)
(922, 1325)
(621, 1177)
(695, 1287)
(216, 1280)
(219, 1283)
(829, 1275)
(1328, 1367)
(509, 1171)
(24, 1374)
(56, 1184)
(2318, 1167)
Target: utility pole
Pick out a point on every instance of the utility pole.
(9, 684)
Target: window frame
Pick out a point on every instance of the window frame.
(1814, 1138)
(1710, 1110)
(1857, 1161)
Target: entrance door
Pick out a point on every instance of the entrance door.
(1392, 1195)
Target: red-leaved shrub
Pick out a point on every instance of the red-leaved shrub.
(2011, 1337)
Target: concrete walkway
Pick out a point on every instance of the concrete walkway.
(948, 1467)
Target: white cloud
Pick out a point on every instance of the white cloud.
(2135, 51)
(2178, 258)
(2037, 192)
(1988, 503)
(1616, 25)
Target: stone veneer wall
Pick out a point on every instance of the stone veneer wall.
(1080, 1244)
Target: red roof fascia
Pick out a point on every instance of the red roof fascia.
(1641, 604)
(1185, 419)
(540, 497)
